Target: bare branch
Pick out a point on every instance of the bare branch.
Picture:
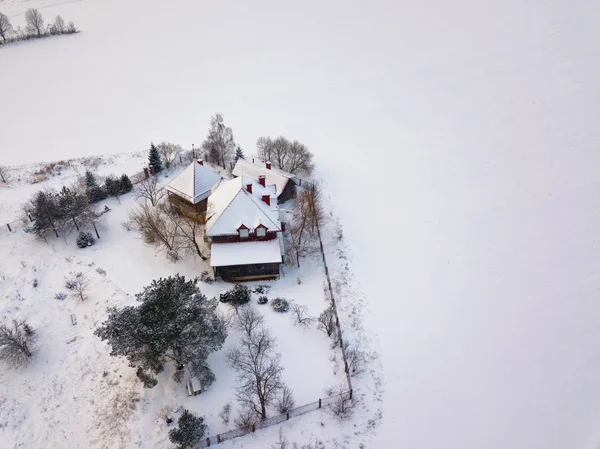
(81, 288)
(301, 317)
(149, 189)
(16, 343)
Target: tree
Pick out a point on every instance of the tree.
(149, 189)
(113, 187)
(174, 322)
(154, 158)
(168, 152)
(327, 321)
(5, 28)
(35, 22)
(239, 154)
(302, 238)
(44, 211)
(125, 184)
(248, 320)
(93, 191)
(187, 228)
(3, 170)
(239, 296)
(71, 28)
(259, 371)
(81, 288)
(190, 430)
(59, 25)
(156, 227)
(16, 343)
(219, 144)
(301, 317)
(71, 204)
(285, 401)
(293, 157)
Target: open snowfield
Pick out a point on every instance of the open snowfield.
(459, 144)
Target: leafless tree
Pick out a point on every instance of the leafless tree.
(327, 321)
(285, 401)
(5, 27)
(282, 442)
(301, 317)
(219, 145)
(35, 22)
(16, 343)
(313, 196)
(168, 152)
(342, 407)
(246, 417)
(356, 358)
(293, 157)
(248, 320)
(149, 189)
(81, 288)
(59, 26)
(225, 413)
(188, 228)
(155, 227)
(259, 371)
(3, 169)
(301, 239)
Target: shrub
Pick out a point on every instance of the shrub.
(205, 277)
(262, 288)
(190, 430)
(225, 413)
(262, 299)
(238, 296)
(280, 305)
(60, 296)
(85, 239)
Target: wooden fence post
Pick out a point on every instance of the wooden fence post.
(8, 225)
(287, 416)
(146, 173)
(218, 436)
(319, 402)
(350, 394)
(253, 427)
(208, 442)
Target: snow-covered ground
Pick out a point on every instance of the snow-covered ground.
(458, 141)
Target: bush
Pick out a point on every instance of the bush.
(85, 239)
(280, 305)
(262, 288)
(238, 296)
(60, 296)
(262, 299)
(190, 430)
(205, 277)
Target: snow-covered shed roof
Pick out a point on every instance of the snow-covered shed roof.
(231, 205)
(245, 253)
(195, 183)
(273, 176)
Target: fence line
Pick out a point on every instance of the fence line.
(274, 420)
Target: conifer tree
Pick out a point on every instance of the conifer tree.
(239, 154)
(154, 158)
(126, 185)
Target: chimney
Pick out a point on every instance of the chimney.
(262, 180)
(200, 161)
(268, 164)
(267, 199)
(249, 187)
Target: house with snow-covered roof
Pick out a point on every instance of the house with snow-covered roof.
(190, 190)
(244, 230)
(285, 183)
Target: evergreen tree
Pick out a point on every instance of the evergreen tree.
(174, 322)
(44, 212)
(190, 430)
(154, 158)
(112, 186)
(71, 204)
(90, 179)
(93, 191)
(239, 154)
(126, 185)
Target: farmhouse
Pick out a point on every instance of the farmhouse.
(244, 230)
(191, 188)
(285, 183)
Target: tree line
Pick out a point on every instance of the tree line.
(35, 27)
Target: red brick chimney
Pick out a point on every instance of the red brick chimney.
(268, 164)
(267, 199)
(200, 161)
(262, 180)
(249, 187)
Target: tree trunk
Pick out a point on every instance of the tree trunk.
(96, 230)
(75, 223)
(202, 256)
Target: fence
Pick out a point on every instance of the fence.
(274, 420)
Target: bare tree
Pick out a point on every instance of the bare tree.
(248, 320)
(3, 169)
(313, 194)
(246, 417)
(168, 152)
(5, 28)
(282, 442)
(293, 157)
(219, 145)
(301, 317)
(357, 359)
(302, 239)
(16, 343)
(327, 321)
(149, 189)
(155, 227)
(188, 228)
(285, 401)
(259, 371)
(35, 22)
(59, 26)
(342, 407)
(81, 288)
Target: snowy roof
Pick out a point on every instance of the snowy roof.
(231, 205)
(273, 176)
(195, 183)
(245, 253)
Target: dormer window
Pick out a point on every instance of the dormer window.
(261, 231)
(243, 232)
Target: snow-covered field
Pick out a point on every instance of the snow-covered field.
(458, 141)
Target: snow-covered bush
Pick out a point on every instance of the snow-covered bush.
(262, 288)
(60, 296)
(262, 299)
(85, 239)
(205, 277)
(280, 305)
(190, 430)
(225, 414)
(16, 343)
(238, 296)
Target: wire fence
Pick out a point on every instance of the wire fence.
(274, 420)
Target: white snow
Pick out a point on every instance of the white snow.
(254, 170)
(475, 125)
(245, 253)
(195, 183)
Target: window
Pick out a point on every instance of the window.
(243, 233)
(261, 232)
